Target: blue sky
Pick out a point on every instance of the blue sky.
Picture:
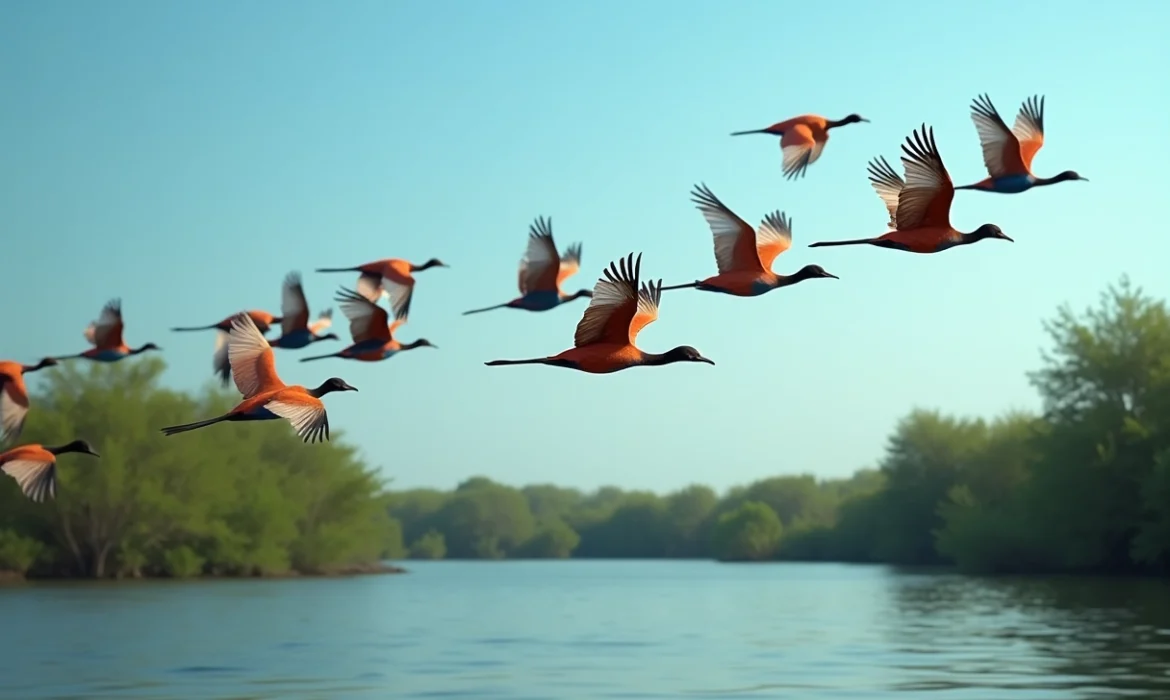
(185, 156)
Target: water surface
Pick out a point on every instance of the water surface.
(591, 629)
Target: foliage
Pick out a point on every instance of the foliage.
(1084, 487)
(233, 499)
(751, 532)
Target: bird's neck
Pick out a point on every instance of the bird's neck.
(25, 369)
(137, 351)
(409, 346)
(782, 281)
(1041, 181)
(834, 123)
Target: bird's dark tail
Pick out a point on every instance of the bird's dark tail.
(193, 426)
(855, 241)
(196, 328)
(688, 285)
(486, 308)
(752, 131)
(500, 363)
(320, 357)
(338, 269)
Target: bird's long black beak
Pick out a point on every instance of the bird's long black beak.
(1007, 238)
(830, 274)
(708, 361)
(91, 452)
(865, 120)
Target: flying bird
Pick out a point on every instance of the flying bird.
(802, 139)
(393, 277)
(1008, 153)
(295, 330)
(604, 341)
(105, 334)
(262, 319)
(373, 334)
(35, 467)
(219, 358)
(743, 255)
(266, 397)
(14, 395)
(542, 272)
(920, 205)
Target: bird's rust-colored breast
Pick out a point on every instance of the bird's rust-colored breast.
(28, 453)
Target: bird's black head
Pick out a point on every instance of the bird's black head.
(583, 294)
(1070, 175)
(334, 384)
(80, 446)
(149, 346)
(853, 119)
(433, 262)
(990, 231)
(46, 362)
(423, 343)
(328, 336)
(813, 271)
(686, 353)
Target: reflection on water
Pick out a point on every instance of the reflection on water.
(592, 630)
(1083, 637)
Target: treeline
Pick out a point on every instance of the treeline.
(234, 500)
(1085, 487)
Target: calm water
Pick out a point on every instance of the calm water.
(591, 630)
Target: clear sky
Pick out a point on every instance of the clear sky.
(185, 156)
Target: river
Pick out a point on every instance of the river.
(591, 629)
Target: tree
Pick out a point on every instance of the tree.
(751, 532)
(233, 499)
(431, 545)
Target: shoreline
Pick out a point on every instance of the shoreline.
(12, 577)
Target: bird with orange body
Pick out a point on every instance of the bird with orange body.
(105, 334)
(219, 358)
(14, 401)
(802, 139)
(920, 205)
(743, 255)
(393, 277)
(295, 330)
(542, 272)
(1008, 153)
(35, 467)
(373, 334)
(619, 310)
(266, 397)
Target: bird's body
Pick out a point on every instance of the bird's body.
(295, 330)
(393, 277)
(105, 334)
(542, 271)
(371, 330)
(802, 139)
(34, 467)
(262, 319)
(744, 256)
(919, 206)
(14, 400)
(619, 310)
(1008, 153)
(266, 397)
